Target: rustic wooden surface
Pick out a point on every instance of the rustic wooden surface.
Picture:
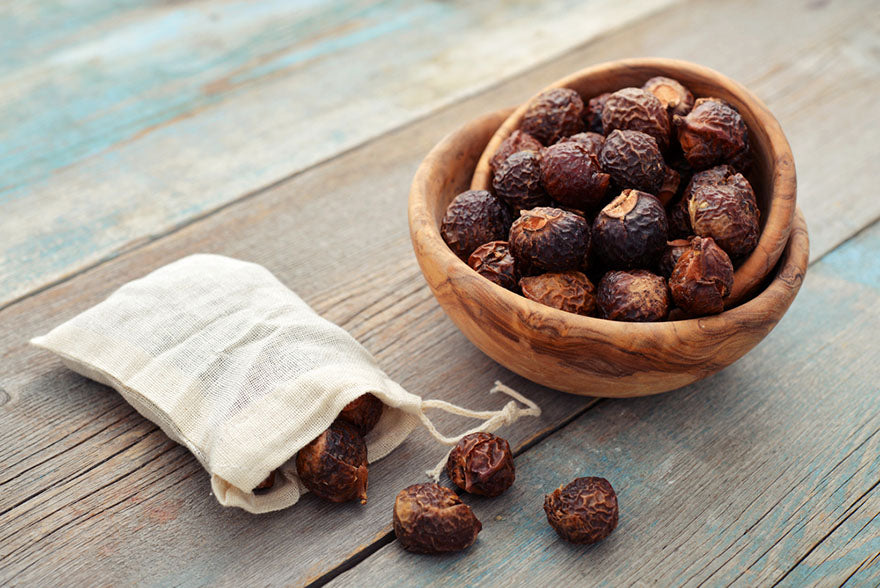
(765, 472)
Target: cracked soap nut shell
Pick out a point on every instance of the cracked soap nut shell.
(630, 231)
(583, 511)
(473, 218)
(494, 262)
(702, 278)
(634, 161)
(571, 176)
(518, 181)
(554, 114)
(570, 291)
(635, 296)
(429, 518)
(671, 255)
(721, 204)
(713, 132)
(549, 238)
(481, 463)
(516, 142)
(674, 97)
(634, 109)
(362, 413)
(334, 465)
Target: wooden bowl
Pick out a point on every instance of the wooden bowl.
(772, 175)
(566, 351)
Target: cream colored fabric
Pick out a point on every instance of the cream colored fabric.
(233, 365)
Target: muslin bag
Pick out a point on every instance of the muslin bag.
(236, 367)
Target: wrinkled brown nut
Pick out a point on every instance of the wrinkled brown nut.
(429, 518)
(266, 484)
(671, 255)
(633, 160)
(481, 463)
(593, 113)
(362, 413)
(571, 176)
(554, 114)
(630, 231)
(634, 109)
(473, 218)
(679, 219)
(494, 262)
(674, 97)
(516, 142)
(583, 511)
(722, 205)
(701, 279)
(713, 133)
(334, 465)
(570, 291)
(549, 238)
(592, 142)
(636, 295)
(518, 181)
(670, 186)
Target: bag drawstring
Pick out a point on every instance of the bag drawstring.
(493, 419)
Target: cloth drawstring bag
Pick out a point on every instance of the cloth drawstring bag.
(239, 369)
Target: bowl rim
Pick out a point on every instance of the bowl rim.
(782, 201)
(768, 305)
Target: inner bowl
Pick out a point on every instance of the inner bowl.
(570, 352)
(772, 173)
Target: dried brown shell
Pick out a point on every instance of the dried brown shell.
(516, 142)
(554, 114)
(679, 219)
(363, 413)
(571, 176)
(674, 250)
(713, 133)
(674, 97)
(334, 465)
(494, 262)
(592, 142)
(481, 463)
(429, 518)
(635, 109)
(266, 484)
(702, 278)
(633, 160)
(473, 218)
(636, 295)
(670, 186)
(549, 238)
(570, 291)
(630, 232)
(518, 181)
(593, 113)
(583, 511)
(723, 206)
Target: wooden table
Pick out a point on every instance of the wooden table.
(286, 133)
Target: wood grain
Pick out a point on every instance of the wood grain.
(573, 353)
(772, 172)
(337, 234)
(768, 467)
(122, 121)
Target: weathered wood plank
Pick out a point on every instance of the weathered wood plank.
(145, 116)
(97, 495)
(735, 479)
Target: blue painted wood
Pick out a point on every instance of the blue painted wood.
(120, 121)
(735, 479)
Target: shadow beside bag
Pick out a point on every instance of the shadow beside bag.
(236, 367)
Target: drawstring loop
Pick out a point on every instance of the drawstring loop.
(492, 419)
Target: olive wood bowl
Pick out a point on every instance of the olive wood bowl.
(772, 174)
(566, 351)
